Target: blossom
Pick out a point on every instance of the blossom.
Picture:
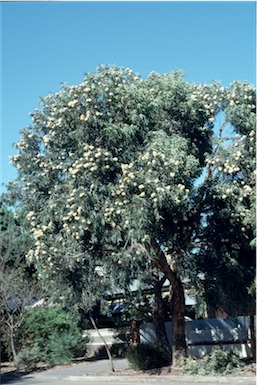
(45, 139)
(72, 103)
(30, 214)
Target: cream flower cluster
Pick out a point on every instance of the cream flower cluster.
(49, 250)
(149, 180)
(210, 98)
(239, 186)
(94, 159)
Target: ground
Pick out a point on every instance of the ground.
(249, 370)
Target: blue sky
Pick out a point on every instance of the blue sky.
(46, 43)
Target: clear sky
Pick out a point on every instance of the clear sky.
(46, 43)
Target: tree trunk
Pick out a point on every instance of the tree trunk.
(178, 320)
(12, 343)
(178, 305)
(135, 333)
(105, 344)
(211, 311)
(252, 335)
(158, 310)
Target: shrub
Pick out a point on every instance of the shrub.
(61, 348)
(28, 358)
(217, 362)
(148, 356)
(55, 333)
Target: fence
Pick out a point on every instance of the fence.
(202, 335)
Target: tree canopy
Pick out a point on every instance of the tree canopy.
(127, 174)
(230, 226)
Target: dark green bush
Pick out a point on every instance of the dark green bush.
(148, 356)
(56, 335)
(218, 362)
(28, 358)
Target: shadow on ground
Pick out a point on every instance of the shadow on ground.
(10, 376)
(14, 376)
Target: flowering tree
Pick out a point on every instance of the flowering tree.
(229, 228)
(106, 179)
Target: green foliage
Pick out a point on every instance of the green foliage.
(10, 235)
(132, 313)
(14, 243)
(111, 166)
(148, 356)
(18, 282)
(28, 358)
(252, 288)
(55, 333)
(229, 206)
(218, 362)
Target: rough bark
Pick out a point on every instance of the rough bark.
(135, 333)
(177, 303)
(211, 313)
(178, 320)
(252, 335)
(158, 309)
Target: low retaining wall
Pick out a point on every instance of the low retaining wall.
(232, 334)
(112, 337)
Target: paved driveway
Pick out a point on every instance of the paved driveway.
(89, 373)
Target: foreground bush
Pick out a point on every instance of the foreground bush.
(28, 358)
(148, 356)
(217, 362)
(53, 336)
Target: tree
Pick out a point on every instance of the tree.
(229, 232)
(18, 287)
(228, 260)
(110, 166)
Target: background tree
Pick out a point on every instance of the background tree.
(18, 285)
(228, 259)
